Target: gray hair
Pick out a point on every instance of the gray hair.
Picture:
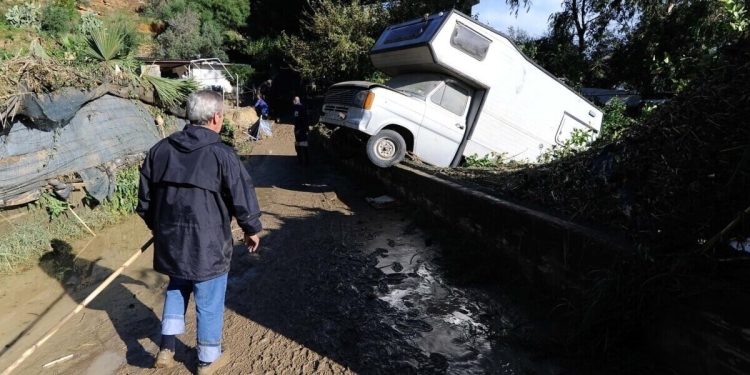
(202, 105)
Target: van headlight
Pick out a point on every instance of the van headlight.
(364, 99)
(361, 97)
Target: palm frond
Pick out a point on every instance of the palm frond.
(106, 45)
(171, 92)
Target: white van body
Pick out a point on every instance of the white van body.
(459, 89)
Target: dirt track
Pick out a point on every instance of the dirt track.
(339, 287)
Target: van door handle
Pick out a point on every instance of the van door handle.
(460, 126)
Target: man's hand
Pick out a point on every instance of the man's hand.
(252, 242)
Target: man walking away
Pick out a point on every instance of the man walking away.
(191, 186)
(300, 132)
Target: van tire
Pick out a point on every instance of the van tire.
(386, 148)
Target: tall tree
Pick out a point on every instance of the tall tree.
(335, 41)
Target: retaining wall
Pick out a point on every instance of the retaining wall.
(556, 254)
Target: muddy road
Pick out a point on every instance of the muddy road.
(339, 287)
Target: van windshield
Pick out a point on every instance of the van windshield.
(419, 85)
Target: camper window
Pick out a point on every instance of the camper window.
(419, 85)
(470, 42)
(408, 32)
(451, 97)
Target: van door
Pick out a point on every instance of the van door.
(444, 124)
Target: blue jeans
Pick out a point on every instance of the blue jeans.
(209, 306)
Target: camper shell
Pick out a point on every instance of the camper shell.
(459, 88)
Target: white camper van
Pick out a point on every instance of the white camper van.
(459, 88)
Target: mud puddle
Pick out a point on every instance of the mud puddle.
(459, 329)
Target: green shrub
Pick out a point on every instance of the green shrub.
(59, 17)
(72, 47)
(243, 72)
(127, 26)
(227, 132)
(125, 198)
(54, 207)
(89, 23)
(338, 38)
(26, 15)
(492, 160)
(615, 120)
(187, 37)
(579, 140)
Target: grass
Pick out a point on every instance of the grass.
(32, 237)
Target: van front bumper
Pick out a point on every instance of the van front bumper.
(354, 118)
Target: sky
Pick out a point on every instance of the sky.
(497, 14)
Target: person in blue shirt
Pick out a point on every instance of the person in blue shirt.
(261, 107)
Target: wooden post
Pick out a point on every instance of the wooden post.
(81, 221)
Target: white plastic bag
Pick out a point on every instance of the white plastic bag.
(265, 129)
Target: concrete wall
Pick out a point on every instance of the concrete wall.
(711, 335)
(549, 251)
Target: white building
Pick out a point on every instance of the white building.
(208, 73)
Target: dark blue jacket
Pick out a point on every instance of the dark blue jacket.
(191, 186)
(261, 107)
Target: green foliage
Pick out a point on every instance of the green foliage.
(37, 51)
(73, 47)
(197, 28)
(265, 51)
(59, 17)
(242, 72)
(229, 14)
(493, 160)
(31, 236)
(4, 54)
(187, 37)
(579, 141)
(523, 41)
(54, 207)
(27, 15)
(669, 48)
(127, 26)
(737, 14)
(171, 92)
(378, 77)
(227, 132)
(125, 198)
(89, 22)
(615, 121)
(162, 9)
(107, 46)
(338, 39)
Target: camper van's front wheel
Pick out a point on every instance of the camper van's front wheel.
(386, 148)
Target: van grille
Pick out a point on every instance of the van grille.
(335, 108)
(345, 96)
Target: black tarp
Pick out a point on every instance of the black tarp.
(68, 132)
